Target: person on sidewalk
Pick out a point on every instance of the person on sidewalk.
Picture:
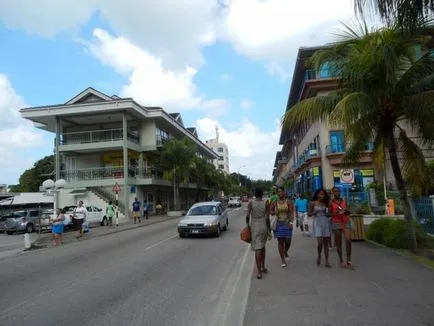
(318, 208)
(110, 213)
(80, 214)
(57, 227)
(136, 211)
(284, 210)
(341, 224)
(258, 221)
(145, 209)
(301, 208)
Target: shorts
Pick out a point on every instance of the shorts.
(136, 214)
(342, 225)
(57, 229)
(302, 218)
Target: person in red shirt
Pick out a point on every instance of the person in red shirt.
(341, 224)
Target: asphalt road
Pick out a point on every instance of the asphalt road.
(146, 276)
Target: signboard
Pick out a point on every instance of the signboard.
(116, 188)
(315, 171)
(347, 176)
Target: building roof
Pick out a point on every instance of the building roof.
(44, 117)
(26, 198)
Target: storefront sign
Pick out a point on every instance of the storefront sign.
(367, 172)
(347, 176)
(315, 171)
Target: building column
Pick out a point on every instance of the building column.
(58, 129)
(125, 163)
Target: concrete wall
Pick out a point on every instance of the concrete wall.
(84, 161)
(148, 132)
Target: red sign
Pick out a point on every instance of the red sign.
(116, 188)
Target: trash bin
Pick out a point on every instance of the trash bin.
(358, 228)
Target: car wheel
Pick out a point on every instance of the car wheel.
(104, 221)
(219, 230)
(29, 228)
(10, 232)
(181, 235)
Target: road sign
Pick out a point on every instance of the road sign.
(347, 176)
(116, 188)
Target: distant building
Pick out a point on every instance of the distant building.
(221, 149)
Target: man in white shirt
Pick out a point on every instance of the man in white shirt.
(80, 214)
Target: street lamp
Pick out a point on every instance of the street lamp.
(53, 187)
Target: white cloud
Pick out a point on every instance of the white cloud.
(226, 77)
(149, 81)
(249, 147)
(246, 104)
(271, 31)
(17, 135)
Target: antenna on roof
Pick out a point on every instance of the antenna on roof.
(217, 133)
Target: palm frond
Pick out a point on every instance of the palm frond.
(414, 167)
(309, 111)
(418, 110)
(351, 109)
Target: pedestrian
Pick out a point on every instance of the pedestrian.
(80, 214)
(57, 227)
(258, 221)
(284, 210)
(110, 213)
(318, 208)
(341, 224)
(145, 209)
(136, 210)
(301, 207)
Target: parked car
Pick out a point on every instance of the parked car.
(3, 222)
(22, 221)
(94, 214)
(46, 219)
(234, 202)
(206, 218)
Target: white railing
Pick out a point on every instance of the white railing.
(96, 136)
(101, 173)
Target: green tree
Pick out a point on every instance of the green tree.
(382, 85)
(32, 178)
(203, 173)
(176, 159)
(408, 14)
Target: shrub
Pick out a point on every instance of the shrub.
(393, 233)
(377, 228)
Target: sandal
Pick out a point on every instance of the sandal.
(259, 276)
(264, 270)
(350, 265)
(283, 265)
(328, 265)
(343, 265)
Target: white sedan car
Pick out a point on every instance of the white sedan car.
(94, 215)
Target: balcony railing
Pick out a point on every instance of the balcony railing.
(341, 148)
(96, 136)
(101, 173)
(313, 153)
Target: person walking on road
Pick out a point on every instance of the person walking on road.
(80, 214)
(301, 208)
(136, 211)
(284, 210)
(110, 213)
(341, 224)
(258, 221)
(145, 209)
(57, 227)
(318, 208)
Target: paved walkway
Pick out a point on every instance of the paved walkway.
(385, 289)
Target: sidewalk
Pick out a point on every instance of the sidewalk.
(97, 231)
(385, 289)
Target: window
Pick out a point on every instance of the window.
(337, 141)
(221, 158)
(163, 134)
(221, 166)
(220, 149)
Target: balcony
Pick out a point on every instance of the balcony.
(336, 152)
(282, 160)
(96, 136)
(307, 158)
(323, 79)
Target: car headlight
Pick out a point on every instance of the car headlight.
(182, 224)
(211, 224)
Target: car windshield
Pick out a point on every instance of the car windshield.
(203, 210)
(19, 214)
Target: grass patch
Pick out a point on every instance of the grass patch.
(420, 258)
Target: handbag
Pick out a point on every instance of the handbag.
(273, 222)
(246, 234)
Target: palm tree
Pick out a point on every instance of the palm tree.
(384, 85)
(407, 13)
(203, 175)
(176, 159)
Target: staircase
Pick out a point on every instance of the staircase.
(107, 195)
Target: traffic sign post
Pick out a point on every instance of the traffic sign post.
(347, 176)
(116, 189)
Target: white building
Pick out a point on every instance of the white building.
(105, 140)
(221, 149)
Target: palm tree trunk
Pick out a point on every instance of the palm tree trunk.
(400, 183)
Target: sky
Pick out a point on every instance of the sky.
(217, 62)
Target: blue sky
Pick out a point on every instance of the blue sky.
(227, 65)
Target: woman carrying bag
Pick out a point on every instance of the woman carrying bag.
(259, 224)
